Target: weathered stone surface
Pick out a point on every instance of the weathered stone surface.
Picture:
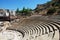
(10, 35)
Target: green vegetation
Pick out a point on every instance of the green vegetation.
(51, 11)
(17, 11)
(58, 12)
(55, 5)
(24, 12)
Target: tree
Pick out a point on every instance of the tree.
(25, 12)
(17, 11)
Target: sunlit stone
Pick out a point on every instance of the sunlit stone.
(10, 35)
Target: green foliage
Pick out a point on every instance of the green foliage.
(24, 12)
(58, 12)
(49, 2)
(54, 3)
(17, 11)
(57, 4)
(51, 11)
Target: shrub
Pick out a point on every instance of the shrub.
(51, 11)
(58, 12)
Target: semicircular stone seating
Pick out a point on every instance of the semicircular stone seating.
(39, 29)
(36, 29)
